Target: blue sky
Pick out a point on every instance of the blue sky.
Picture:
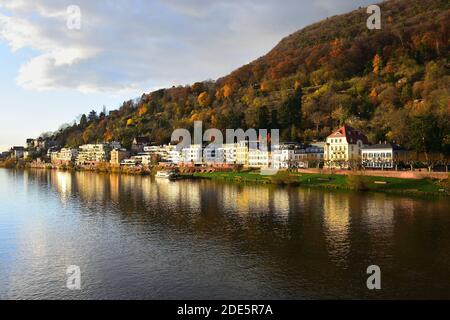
(49, 74)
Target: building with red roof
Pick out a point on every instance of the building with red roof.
(343, 147)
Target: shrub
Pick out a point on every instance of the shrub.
(284, 178)
(10, 163)
(356, 182)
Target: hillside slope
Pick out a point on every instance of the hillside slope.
(391, 83)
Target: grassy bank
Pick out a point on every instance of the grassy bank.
(334, 181)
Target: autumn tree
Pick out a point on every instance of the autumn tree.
(227, 91)
(204, 100)
(376, 64)
(143, 109)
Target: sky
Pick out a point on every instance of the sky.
(52, 71)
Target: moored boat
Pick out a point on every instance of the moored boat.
(171, 175)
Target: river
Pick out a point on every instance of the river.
(136, 238)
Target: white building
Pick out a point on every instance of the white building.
(294, 155)
(212, 154)
(192, 154)
(161, 153)
(284, 156)
(130, 162)
(143, 158)
(258, 158)
(64, 156)
(242, 152)
(312, 155)
(175, 156)
(17, 152)
(380, 156)
(343, 147)
(91, 154)
(228, 153)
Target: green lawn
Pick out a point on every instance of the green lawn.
(332, 181)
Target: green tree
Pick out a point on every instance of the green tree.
(83, 122)
(92, 116)
(425, 136)
(263, 118)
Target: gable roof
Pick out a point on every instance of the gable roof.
(352, 135)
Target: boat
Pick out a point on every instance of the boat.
(171, 175)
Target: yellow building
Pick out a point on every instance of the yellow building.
(343, 148)
(118, 155)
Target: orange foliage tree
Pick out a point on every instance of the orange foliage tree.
(376, 63)
(204, 100)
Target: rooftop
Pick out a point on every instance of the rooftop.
(352, 135)
(385, 145)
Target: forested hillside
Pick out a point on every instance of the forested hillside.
(393, 84)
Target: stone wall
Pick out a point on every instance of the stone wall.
(386, 173)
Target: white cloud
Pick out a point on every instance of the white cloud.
(142, 44)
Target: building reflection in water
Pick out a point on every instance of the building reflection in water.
(63, 183)
(252, 199)
(336, 224)
(91, 186)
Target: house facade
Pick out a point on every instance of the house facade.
(380, 156)
(242, 152)
(92, 154)
(343, 148)
(175, 156)
(160, 153)
(212, 155)
(258, 158)
(294, 155)
(64, 156)
(17, 152)
(228, 153)
(285, 155)
(192, 154)
(118, 155)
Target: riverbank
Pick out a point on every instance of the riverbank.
(355, 182)
(100, 168)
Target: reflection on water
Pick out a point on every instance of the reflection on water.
(135, 237)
